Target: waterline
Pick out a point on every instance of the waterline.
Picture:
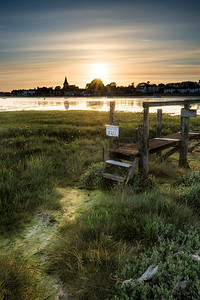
(125, 104)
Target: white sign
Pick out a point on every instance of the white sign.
(188, 113)
(112, 130)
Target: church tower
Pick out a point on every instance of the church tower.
(65, 84)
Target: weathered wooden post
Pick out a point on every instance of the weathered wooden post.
(159, 123)
(159, 127)
(113, 141)
(112, 111)
(184, 136)
(143, 132)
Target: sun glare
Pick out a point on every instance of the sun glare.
(99, 70)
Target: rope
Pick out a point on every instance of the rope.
(130, 121)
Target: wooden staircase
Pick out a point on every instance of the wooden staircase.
(130, 169)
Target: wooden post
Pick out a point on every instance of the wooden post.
(159, 127)
(184, 139)
(113, 141)
(159, 122)
(112, 111)
(143, 131)
(146, 119)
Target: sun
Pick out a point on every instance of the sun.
(99, 70)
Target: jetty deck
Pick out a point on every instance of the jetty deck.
(139, 152)
(131, 151)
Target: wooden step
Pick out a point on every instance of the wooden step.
(117, 163)
(168, 139)
(113, 177)
(193, 133)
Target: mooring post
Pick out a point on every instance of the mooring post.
(159, 123)
(113, 141)
(159, 127)
(112, 111)
(143, 134)
(184, 139)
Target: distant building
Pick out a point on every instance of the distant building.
(28, 93)
(147, 88)
(65, 85)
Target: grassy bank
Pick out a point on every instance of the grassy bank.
(119, 235)
(124, 233)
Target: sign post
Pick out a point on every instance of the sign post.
(186, 113)
(112, 130)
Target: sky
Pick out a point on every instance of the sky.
(42, 41)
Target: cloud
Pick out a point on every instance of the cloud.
(138, 40)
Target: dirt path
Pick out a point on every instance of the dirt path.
(32, 241)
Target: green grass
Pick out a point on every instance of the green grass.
(89, 251)
(39, 152)
(117, 236)
(19, 280)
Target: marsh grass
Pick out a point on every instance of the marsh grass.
(164, 171)
(32, 167)
(40, 151)
(25, 185)
(92, 247)
(19, 280)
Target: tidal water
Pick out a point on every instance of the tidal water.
(126, 104)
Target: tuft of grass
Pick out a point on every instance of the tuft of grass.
(190, 196)
(19, 280)
(141, 184)
(24, 186)
(92, 247)
(91, 179)
(165, 170)
(187, 180)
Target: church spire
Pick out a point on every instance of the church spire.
(65, 84)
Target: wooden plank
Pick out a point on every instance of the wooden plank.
(161, 146)
(113, 177)
(167, 139)
(132, 171)
(118, 163)
(104, 167)
(165, 103)
(131, 151)
(193, 147)
(194, 133)
(188, 113)
(169, 103)
(169, 153)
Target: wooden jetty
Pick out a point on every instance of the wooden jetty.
(131, 151)
(138, 153)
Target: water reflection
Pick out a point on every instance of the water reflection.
(96, 104)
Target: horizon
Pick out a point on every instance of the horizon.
(135, 85)
(41, 43)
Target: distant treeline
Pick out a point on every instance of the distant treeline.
(97, 88)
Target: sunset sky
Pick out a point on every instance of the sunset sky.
(42, 41)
